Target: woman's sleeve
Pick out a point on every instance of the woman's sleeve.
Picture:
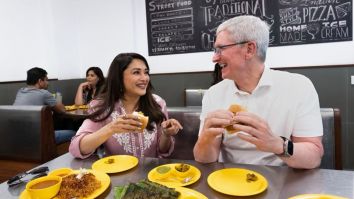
(74, 147)
(162, 103)
(87, 127)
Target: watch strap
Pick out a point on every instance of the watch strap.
(288, 147)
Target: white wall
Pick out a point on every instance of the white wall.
(105, 30)
(67, 36)
(21, 33)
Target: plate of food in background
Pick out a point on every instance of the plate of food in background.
(74, 107)
(174, 175)
(237, 182)
(115, 163)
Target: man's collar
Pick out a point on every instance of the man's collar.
(266, 78)
(265, 81)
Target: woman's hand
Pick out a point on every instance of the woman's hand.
(86, 85)
(125, 123)
(170, 127)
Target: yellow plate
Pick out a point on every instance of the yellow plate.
(74, 107)
(172, 180)
(83, 107)
(70, 108)
(120, 163)
(61, 172)
(316, 196)
(104, 178)
(189, 193)
(233, 182)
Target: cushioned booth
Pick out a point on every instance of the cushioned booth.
(332, 139)
(189, 118)
(193, 97)
(27, 137)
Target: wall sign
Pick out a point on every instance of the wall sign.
(186, 26)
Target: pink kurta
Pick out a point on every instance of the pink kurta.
(129, 143)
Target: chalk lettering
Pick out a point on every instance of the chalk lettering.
(255, 7)
(318, 2)
(207, 41)
(320, 13)
(293, 28)
(184, 26)
(152, 6)
(292, 37)
(335, 33)
(334, 24)
(289, 16)
(183, 3)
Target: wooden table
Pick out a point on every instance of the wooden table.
(283, 182)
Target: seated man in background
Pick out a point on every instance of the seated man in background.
(282, 122)
(36, 93)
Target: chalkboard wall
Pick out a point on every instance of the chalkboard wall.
(186, 26)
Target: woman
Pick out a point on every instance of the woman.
(89, 89)
(113, 122)
(217, 77)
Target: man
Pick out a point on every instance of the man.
(282, 124)
(36, 94)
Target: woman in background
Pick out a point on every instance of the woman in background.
(217, 77)
(113, 121)
(89, 89)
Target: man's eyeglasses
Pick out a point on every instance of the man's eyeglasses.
(219, 49)
(19, 178)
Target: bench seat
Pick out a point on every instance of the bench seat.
(189, 119)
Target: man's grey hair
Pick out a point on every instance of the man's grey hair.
(248, 28)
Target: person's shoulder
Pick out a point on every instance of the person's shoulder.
(35, 91)
(21, 90)
(45, 91)
(95, 102)
(290, 77)
(157, 98)
(220, 86)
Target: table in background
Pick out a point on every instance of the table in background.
(76, 114)
(70, 119)
(283, 182)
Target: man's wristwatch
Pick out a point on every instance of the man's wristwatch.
(288, 147)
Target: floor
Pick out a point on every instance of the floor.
(10, 168)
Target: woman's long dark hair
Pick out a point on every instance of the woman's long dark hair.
(114, 90)
(99, 84)
(217, 75)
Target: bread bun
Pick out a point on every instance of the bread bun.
(234, 108)
(144, 120)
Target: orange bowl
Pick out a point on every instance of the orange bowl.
(44, 187)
